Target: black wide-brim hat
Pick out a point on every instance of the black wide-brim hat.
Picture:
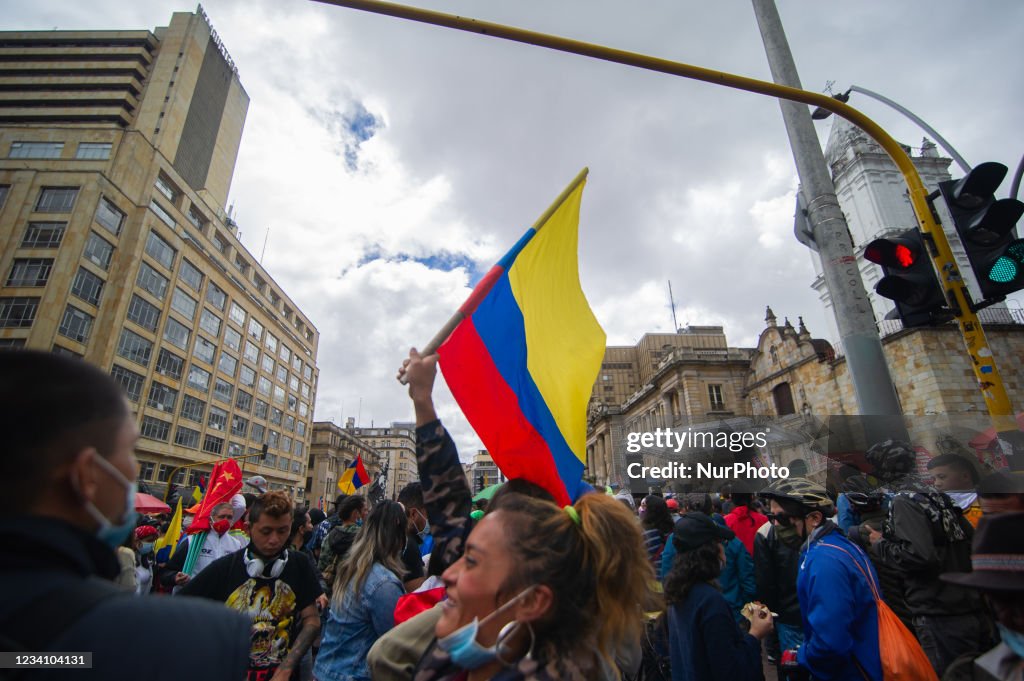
(997, 557)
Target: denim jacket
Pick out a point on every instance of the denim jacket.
(352, 629)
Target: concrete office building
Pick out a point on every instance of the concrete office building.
(117, 150)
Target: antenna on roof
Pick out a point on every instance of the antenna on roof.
(675, 324)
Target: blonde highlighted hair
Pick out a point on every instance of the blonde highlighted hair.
(596, 567)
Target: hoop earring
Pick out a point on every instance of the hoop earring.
(507, 632)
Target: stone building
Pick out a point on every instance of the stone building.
(483, 472)
(397, 445)
(332, 450)
(684, 379)
(117, 150)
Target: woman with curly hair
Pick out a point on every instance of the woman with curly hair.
(705, 643)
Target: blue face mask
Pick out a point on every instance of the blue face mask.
(110, 534)
(462, 647)
(1014, 640)
(146, 549)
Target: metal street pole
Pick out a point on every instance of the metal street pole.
(820, 114)
(869, 371)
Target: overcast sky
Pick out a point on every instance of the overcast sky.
(393, 162)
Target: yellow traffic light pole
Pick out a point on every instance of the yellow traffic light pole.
(989, 380)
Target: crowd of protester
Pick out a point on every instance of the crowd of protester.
(889, 569)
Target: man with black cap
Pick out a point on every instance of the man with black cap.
(997, 560)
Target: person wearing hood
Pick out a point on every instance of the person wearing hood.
(924, 535)
(838, 613)
(998, 561)
(217, 543)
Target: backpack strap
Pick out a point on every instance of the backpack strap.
(34, 626)
(867, 575)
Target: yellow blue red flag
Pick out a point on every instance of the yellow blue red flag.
(523, 361)
(354, 477)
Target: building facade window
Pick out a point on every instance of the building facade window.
(43, 234)
(191, 275)
(196, 218)
(56, 199)
(215, 296)
(163, 214)
(192, 408)
(36, 150)
(209, 322)
(57, 349)
(213, 445)
(160, 250)
(109, 216)
(232, 340)
(204, 350)
(198, 378)
(227, 363)
(146, 469)
(165, 187)
(169, 364)
(30, 272)
(87, 286)
(237, 314)
(282, 373)
(218, 418)
(267, 365)
(176, 333)
(93, 151)
(247, 377)
(183, 304)
(255, 329)
(239, 425)
(223, 391)
(243, 401)
(75, 324)
(151, 281)
(129, 380)
(142, 313)
(155, 429)
(134, 347)
(285, 354)
(98, 251)
(276, 415)
(186, 437)
(261, 409)
(278, 395)
(715, 397)
(162, 397)
(252, 352)
(264, 386)
(271, 343)
(258, 433)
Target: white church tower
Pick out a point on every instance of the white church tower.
(873, 197)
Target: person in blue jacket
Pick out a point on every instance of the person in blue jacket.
(837, 604)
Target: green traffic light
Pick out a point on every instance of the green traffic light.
(1009, 265)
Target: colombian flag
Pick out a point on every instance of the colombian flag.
(164, 547)
(354, 477)
(523, 361)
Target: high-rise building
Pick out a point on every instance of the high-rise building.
(331, 452)
(116, 155)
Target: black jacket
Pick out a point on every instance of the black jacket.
(129, 636)
(916, 547)
(775, 569)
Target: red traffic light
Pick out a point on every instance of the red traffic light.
(892, 253)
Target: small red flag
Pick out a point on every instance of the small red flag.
(225, 482)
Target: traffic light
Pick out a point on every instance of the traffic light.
(986, 228)
(909, 279)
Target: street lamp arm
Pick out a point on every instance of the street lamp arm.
(964, 165)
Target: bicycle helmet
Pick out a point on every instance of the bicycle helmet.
(808, 494)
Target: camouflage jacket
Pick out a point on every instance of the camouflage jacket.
(328, 563)
(446, 494)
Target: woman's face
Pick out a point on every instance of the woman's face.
(474, 580)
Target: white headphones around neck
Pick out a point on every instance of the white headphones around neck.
(256, 567)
